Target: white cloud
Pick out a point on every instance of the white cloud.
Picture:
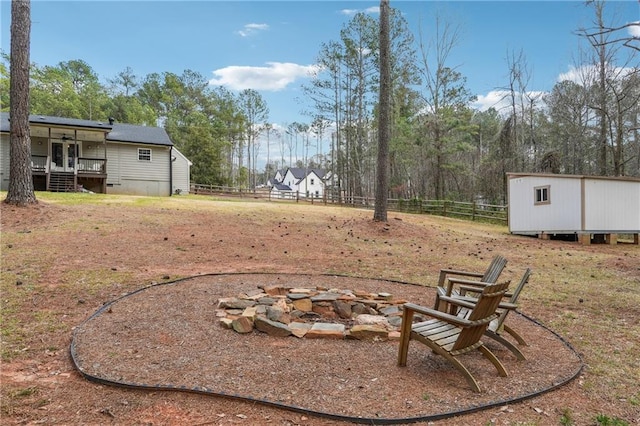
(351, 12)
(273, 77)
(495, 99)
(250, 29)
(634, 30)
(575, 74)
(589, 73)
(501, 100)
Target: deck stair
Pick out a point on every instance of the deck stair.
(61, 182)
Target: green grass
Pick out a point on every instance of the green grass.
(603, 420)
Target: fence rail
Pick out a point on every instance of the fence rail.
(457, 209)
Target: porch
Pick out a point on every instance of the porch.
(72, 174)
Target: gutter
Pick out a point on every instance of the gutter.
(170, 171)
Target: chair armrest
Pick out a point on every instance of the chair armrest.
(465, 302)
(469, 288)
(469, 302)
(462, 281)
(445, 272)
(437, 314)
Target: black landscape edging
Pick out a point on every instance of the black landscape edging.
(293, 408)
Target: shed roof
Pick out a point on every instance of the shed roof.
(558, 176)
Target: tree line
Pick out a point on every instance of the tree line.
(440, 147)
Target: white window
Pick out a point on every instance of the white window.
(312, 181)
(542, 195)
(144, 154)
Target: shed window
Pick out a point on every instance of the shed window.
(541, 194)
(144, 154)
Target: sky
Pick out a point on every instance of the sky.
(271, 46)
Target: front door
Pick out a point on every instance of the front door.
(63, 156)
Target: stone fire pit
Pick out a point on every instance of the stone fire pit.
(313, 313)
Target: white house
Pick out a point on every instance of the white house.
(591, 208)
(105, 157)
(280, 190)
(307, 183)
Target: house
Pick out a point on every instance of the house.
(180, 173)
(277, 178)
(307, 183)
(69, 154)
(589, 208)
(280, 190)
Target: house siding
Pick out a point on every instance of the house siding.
(181, 182)
(128, 175)
(39, 146)
(315, 189)
(304, 185)
(4, 162)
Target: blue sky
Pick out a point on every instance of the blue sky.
(270, 45)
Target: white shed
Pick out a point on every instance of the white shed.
(594, 208)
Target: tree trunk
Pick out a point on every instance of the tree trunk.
(384, 128)
(20, 179)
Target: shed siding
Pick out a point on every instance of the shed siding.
(561, 214)
(611, 205)
(128, 175)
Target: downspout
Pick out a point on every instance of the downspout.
(170, 171)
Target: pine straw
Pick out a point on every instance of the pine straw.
(169, 335)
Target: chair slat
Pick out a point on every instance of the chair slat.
(450, 337)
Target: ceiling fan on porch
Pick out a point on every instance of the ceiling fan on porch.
(66, 138)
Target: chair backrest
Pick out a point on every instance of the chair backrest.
(484, 308)
(495, 269)
(520, 286)
(496, 324)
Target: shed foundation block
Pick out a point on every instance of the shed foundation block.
(585, 239)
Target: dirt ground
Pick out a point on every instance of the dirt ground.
(69, 255)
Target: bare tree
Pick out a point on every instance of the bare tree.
(384, 128)
(605, 35)
(614, 91)
(20, 179)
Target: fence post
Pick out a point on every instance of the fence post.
(473, 212)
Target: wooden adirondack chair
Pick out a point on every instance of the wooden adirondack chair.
(469, 292)
(451, 336)
(448, 277)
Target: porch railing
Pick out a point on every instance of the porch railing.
(38, 163)
(91, 165)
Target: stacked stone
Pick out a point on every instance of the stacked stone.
(319, 313)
